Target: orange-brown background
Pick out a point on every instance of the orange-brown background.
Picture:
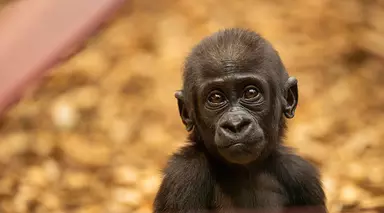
(95, 134)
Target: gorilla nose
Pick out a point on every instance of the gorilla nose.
(235, 124)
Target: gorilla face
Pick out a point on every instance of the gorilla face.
(232, 110)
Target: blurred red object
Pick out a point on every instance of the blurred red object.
(34, 35)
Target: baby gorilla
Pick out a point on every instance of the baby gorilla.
(234, 102)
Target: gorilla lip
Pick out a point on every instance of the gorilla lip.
(232, 144)
(236, 145)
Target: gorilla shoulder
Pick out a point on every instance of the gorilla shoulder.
(186, 176)
(300, 177)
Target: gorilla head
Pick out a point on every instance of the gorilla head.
(235, 95)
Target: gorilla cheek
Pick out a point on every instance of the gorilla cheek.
(207, 132)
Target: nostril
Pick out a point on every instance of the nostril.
(243, 124)
(236, 127)
(229, 128)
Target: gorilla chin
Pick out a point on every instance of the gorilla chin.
(241, 150)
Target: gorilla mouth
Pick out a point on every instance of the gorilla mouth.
(245, 148)
(235, 149)
(244, 143)
(236, 144)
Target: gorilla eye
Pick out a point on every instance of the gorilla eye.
(216, 98)
(251, 93)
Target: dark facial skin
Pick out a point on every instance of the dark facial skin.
(236, 96)
(235, 106)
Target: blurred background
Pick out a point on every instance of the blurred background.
(94, 136)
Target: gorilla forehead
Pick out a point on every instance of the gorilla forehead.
(233, 51)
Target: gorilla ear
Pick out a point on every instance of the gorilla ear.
(291, 97)
(184, 114)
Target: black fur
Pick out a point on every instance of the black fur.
(235, 95)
